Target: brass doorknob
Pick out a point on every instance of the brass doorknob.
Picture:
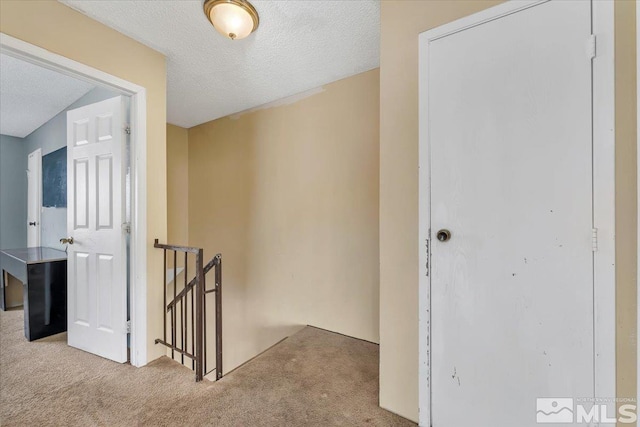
(67, 241)
(443, 235)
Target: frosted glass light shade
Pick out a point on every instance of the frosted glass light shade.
(235, 19)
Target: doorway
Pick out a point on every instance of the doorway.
(34, 197)
(137, 128)
(516, 284)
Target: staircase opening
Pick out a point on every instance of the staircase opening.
(186, 309)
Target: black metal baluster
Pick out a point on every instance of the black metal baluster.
(218, 296)
(204, 321)
(183, 304)
(199, 313)
(174, 332)
(173, 328)
(164, 298)
(193, 326)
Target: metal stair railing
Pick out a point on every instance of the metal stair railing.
(194, 291)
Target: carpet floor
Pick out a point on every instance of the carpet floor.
(313, 378)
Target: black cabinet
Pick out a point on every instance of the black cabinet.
(43, 272)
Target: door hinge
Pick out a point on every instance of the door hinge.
(127, 130)
(594, 239)
(128, 326)
(591, 46)
(428, 241)
(126, 227)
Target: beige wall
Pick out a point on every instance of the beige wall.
(401, 22)
(626, 199)
(62, 30)
(289, 195)
(177, 185)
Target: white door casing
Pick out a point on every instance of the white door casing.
(34, 197)
(505, 132)
(97, 276)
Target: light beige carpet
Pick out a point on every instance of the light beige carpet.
(313, 378)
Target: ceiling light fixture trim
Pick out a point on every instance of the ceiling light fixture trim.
(235, 19)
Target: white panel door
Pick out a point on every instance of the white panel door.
(97, 281)
(34, 197)
(509, 125)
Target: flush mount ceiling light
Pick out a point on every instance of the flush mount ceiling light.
(235, 19)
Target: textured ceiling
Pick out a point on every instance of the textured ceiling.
(300, 45)
(31, 95)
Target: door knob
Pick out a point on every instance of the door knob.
(67, 241)
(443, 235)
(33, 223)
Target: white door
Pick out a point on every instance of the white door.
(512, 308)
(34, 197)
(97, 281)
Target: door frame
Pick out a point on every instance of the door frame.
(138, 139)
(37, 151)
(603, 122)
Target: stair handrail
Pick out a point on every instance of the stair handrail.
(198, 325)
(214, 262)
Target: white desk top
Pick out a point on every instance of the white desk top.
(36, 255)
